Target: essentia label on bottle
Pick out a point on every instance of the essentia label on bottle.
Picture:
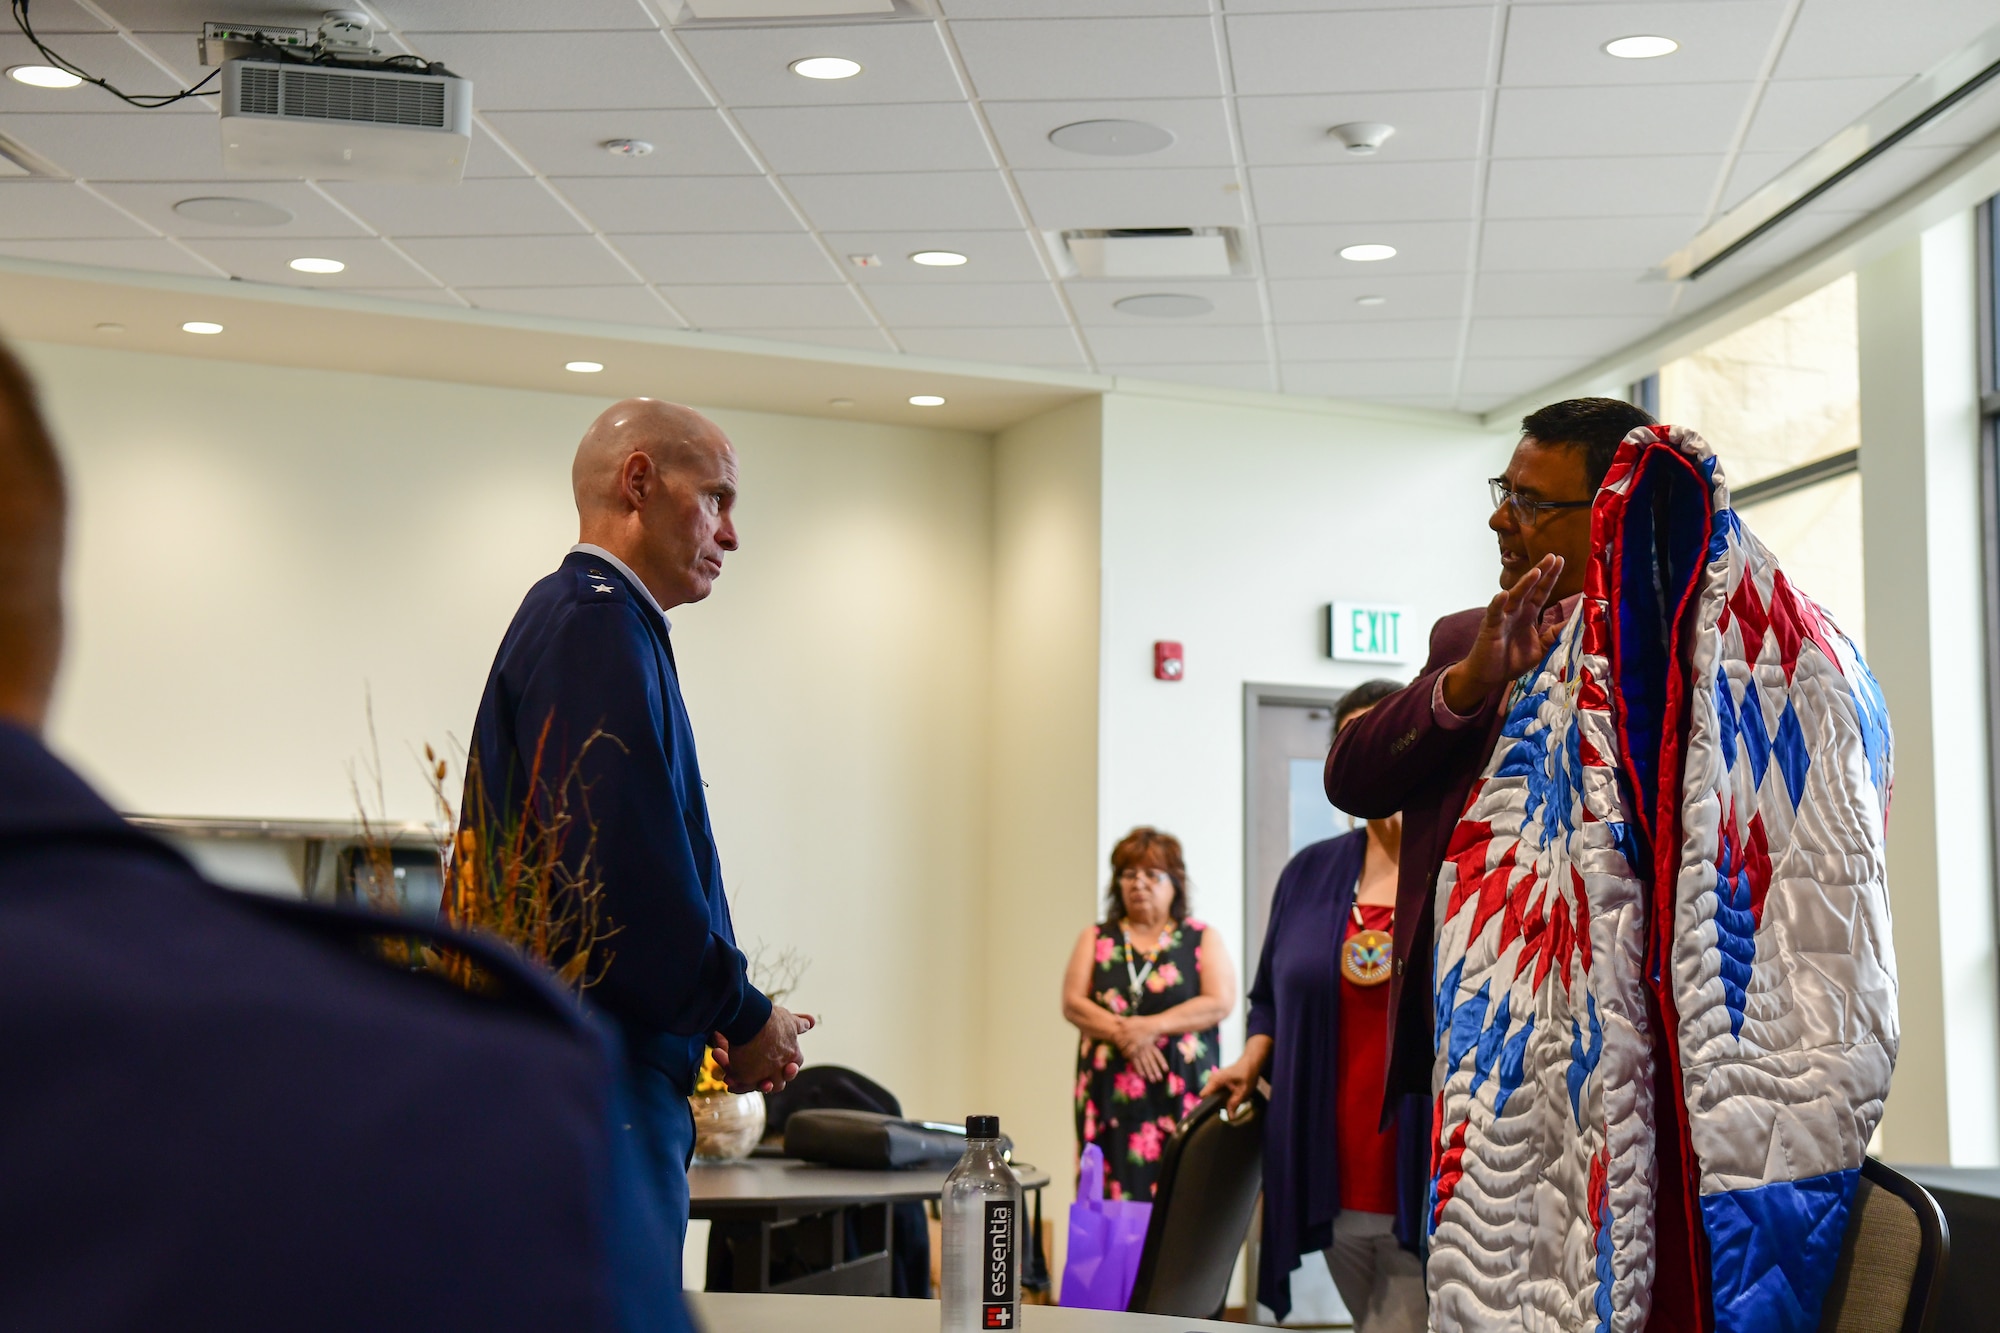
(999, 1307)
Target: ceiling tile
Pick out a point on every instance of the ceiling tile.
(795, 306)
(1598, 187)
(510, 15)
(750, 257)
(571, 143)
(312, 213)
(518, 261)
(369, 262)
(1370, 340)
(1366, 379)
(613, 305)
(1227, 375)
(1055, 9)
(108, 56)
(991, 256)
(1391, 50)
(1407, 296)
(863, 340)
(488, 158)
(1168, 344)
(1183, 197)
(1832, 38)
(135, 145)
(953, 200)
(1200, 127)
(1429, 126)
(966, 304)
(1509, 376)
(1618, 293)
(1563, 45)
(685, 204)
(1076, 58)
(1615, 122)
(1371, 192)
(63, 16)
(542, 71)
(1797, 115)
(56, 210)
(1633, 244)
(751, 66)
(1019, 347)
(148, 256)
(470, 208)
(1314, 251)
(799, 140)
(1564, 335)
(1095, 301)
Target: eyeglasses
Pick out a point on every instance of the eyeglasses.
(1526, 510)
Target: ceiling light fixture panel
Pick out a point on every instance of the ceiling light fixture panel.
(938, 258)
(310, 264)
(825, 67)
(43, 76)
(201, 326)
(926, 400)
(1370, 253)
(583, 367)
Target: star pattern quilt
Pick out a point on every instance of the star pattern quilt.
(1666, 988)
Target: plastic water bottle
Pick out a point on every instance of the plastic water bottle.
(983, 1230)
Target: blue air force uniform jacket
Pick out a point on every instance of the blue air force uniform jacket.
(225, 1112)
(587, 653)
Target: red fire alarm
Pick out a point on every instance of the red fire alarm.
(1167, 664)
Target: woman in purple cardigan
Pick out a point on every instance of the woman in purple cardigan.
(1339, 1175)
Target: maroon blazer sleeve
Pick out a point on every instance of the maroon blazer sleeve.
(1395, 755)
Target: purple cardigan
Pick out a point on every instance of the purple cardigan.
(1295, 1001)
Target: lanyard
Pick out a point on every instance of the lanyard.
(1138, 978)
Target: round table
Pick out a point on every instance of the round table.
(781, 1225)
(743, 1312)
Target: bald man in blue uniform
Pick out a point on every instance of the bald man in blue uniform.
(225, 1112)
(585, 683)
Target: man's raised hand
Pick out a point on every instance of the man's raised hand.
(1511, 638)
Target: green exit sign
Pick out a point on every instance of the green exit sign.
(1367, 632)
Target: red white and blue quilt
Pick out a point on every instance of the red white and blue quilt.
(1666, 989)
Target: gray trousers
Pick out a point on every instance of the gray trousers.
(1380, 1282)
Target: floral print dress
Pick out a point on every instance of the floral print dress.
(1116, 1109)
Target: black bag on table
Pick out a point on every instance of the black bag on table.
(869, 1141)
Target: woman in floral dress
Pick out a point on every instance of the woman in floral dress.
(1146, 988)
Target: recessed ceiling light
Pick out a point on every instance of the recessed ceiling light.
(1112, 138)
(825, 67)
(43, 76)
(926, 400)
(1368, 254)
(200, 326)
(311, 265)
(1165, 305)
(584, 367)
(1641, 48)
(840, 402)
(938, 258)
(1370, 300)
(226, 211)
(110, 326)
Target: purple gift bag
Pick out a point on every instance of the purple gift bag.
(1105, 1239)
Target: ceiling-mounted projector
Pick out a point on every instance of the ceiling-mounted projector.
(331, 122)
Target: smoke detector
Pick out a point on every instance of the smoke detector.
(1362, 137)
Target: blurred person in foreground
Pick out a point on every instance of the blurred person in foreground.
(227, 1112)
(585, 694)
(1146, 987)
(1337, 1178)
(1420, 750)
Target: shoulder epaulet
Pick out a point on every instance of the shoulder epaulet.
(595, 583)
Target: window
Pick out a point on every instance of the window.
(1780, 403)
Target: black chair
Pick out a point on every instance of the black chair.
(1892, 1260)
(1210, 1175)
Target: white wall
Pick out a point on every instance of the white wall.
(1229, 529)
(253, 546)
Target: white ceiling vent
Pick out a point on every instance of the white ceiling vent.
(1147, 252)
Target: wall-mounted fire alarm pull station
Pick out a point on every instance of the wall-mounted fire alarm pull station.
(1168, 663)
